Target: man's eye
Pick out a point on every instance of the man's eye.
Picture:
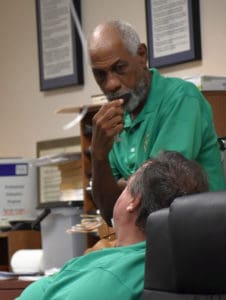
(120, 69)
(99, 75)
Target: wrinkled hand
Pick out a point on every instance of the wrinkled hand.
(107, 123)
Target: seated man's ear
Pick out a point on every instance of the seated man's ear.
(133, 204)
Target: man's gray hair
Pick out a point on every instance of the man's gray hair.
(162, 179)
(128, 34)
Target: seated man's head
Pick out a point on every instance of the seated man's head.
(154, 186)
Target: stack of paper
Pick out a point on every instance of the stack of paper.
(208, 83)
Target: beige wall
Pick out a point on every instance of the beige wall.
(27, 115)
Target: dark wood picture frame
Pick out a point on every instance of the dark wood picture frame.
(59, 45)
(173, 32)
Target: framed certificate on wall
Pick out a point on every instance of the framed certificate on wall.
(173, 31)
(59, 45)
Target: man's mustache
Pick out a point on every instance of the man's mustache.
(125, 97)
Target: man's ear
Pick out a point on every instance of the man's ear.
(133, 204)
(142, 54)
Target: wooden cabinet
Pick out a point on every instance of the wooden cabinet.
(14, 240)
(217, 99)
(12, 288)
(86, 136)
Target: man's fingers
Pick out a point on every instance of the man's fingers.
(113, 104)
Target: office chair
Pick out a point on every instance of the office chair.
(186, 249)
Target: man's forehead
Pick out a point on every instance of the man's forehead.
(103, 34)
(107, 55)
(106, 41)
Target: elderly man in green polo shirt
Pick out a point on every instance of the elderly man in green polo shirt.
(146, 114)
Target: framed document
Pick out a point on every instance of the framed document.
(59, 45)
(173, 31)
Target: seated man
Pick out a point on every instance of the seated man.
(118, 272)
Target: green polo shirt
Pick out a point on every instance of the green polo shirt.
(108, 274)
(175, 117)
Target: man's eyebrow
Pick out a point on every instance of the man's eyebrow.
(119, 61)
(98, 70)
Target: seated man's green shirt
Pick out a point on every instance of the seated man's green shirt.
(108, 274)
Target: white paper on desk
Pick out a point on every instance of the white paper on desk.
(30, 278)
(7, 275)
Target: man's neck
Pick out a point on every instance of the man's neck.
(137, 110)
(129, 237)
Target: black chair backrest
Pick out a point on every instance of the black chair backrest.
(186, 249)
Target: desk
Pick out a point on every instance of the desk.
(12, 288)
